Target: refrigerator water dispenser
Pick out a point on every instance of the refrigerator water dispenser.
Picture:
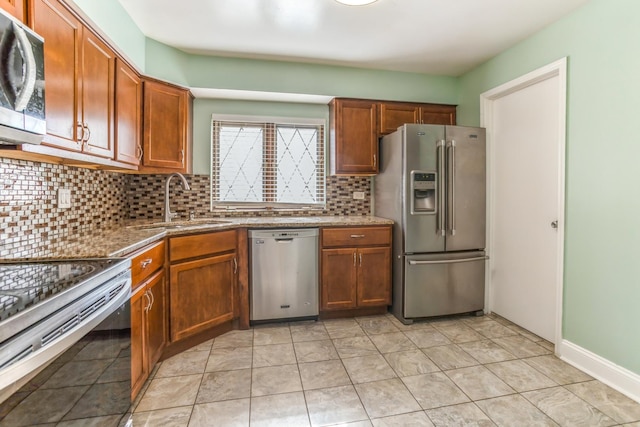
(423, 192)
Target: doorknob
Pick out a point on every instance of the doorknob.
(554, 224)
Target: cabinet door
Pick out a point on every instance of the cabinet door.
(61, 31)
(128, 114)
(165, 126)
(438, 114)
(393, 116)
(156, 317)
(338, 278)
(355, 145)
(139, 362)
(96, 74)
(14, 7)
(374, 276)
(201, 294)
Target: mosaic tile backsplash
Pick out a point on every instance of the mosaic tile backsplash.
(32, 225)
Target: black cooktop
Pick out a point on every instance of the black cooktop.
(25, 284)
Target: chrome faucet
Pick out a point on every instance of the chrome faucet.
(185, 185)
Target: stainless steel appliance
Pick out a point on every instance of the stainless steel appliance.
(432, 184)
(284, 274)
(65, 335)
(22, 114)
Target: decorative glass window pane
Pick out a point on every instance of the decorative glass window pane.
(267, 164)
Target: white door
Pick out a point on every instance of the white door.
(525, 124)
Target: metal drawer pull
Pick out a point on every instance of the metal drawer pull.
(145, 263)
(357, 236)
(153, 298)
(448, 261)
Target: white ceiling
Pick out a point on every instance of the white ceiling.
(447, 37)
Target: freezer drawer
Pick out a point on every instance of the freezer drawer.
(443, 284)
(284, 274)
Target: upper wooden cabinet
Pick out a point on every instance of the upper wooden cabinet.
(166, 134)
(14, 7)
(395, 114)
(79, 71)
(356, 125)
(353, 137)
(128, 114)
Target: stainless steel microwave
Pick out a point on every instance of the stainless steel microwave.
(22, 114)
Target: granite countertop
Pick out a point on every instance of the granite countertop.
(124, 240)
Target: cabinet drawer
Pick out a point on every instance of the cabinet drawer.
(147, 262)
(201, 244)
(356, 236)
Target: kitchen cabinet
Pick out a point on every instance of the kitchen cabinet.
(395, 114)
(353, 142)
(203, 281)
(148, 312)
(128, 114)
(356, 267)
(166, 128)
(14, 7)
(79, 70)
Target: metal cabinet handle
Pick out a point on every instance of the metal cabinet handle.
(554, 224)
(86, 126)
(375, 161)
(138, 153)
(235, 265)
(360, 259)
(146, 309)
(182, 156)
(357, 236)
(145, 263)
(153, 298)
(354, 259)
(448, 261)
(81, 133)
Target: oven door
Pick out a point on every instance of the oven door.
(81, 372)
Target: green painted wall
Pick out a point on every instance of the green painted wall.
(116, 23)
(602, 271)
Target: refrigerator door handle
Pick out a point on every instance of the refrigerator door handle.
(448, 261)
(451, 148)
(441, 188)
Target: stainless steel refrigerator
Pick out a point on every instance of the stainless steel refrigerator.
(432, 184)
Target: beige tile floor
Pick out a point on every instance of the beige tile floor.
(375, 371)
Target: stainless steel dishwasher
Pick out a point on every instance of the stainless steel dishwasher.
(284, 274)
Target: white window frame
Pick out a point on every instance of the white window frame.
(216, 205)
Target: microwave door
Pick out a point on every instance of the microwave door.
(18, 77)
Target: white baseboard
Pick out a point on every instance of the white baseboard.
(616, 377)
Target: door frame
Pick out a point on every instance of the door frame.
(487, 99)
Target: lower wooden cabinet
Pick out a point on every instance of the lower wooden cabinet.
(148, 328)
(202, 290)
(201, 294)
(356, 267)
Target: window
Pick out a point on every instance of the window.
(267, 164)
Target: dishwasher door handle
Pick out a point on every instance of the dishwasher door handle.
(285, 240)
